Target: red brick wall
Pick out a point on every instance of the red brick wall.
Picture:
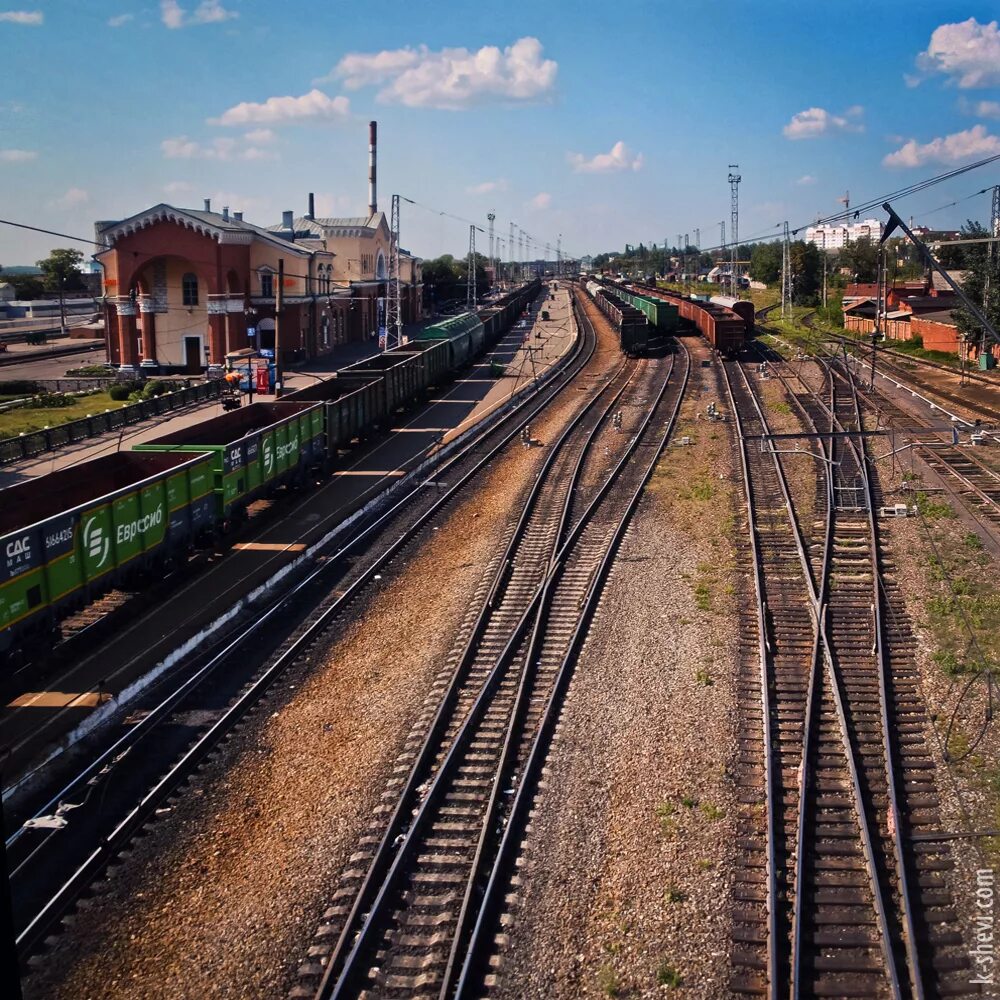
(936, 336)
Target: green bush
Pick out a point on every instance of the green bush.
(123, 390)
(51, 401)
(155, 387)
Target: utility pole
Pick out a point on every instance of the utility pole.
(734, 195)
(786, 274)
(470, 283)
(824, 267)
(510, 254)
(559, 256)
(491, 217)
(394, 305)
(992, 256)
(279, 305)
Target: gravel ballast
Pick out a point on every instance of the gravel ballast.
(221, 897)
(624, 883)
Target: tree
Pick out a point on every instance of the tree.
(26, 286)
(861, 258)
(980, 272)
(765, 263)
(61, 270)
(807, 271)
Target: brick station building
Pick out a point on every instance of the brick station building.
(184, 287)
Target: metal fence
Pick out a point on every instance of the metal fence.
(38, 442)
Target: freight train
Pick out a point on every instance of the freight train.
(725, 329)
(71, 536)
(629, 323)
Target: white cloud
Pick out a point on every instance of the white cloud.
(182, 148)
(620, 158)
(814, 122)
(487, 187)
(260, 135)
(29, 18)
(173, 15)
(452, 79)
(17, 155)
(239, 203)
(119, 20)
(541, 200)
(806, 179)
(314, 106)
(256, 153)
(71, 199)
(979, 109)
(178, 187)
(968, 53)
(956, 148)
(330, 206)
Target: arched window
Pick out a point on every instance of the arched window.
(380, 267)
(189, 289)
(267, 284)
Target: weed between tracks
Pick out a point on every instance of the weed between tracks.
(958, 607)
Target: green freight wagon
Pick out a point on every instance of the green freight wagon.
(72, 535)
(465, 333)
(353, 406)
(254, 449)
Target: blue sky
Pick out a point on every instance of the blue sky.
(560, 116)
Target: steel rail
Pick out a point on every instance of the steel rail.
(111, 843)
(889, 756)
(819, 615)
(342, 968)
(764, 674)
(458, 981)
(385, 860)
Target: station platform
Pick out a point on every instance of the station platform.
(39, 720)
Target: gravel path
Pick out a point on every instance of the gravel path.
(625, 881)
(224, 892)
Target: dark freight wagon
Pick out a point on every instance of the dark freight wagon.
(72, 535)
(401, 371)
(353, 407)
(253, 449)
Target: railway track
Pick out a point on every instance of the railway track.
(418, 911)
(969, 478)
(63, 844)
(836, 901)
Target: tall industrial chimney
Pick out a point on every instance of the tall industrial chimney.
(312, 207)
(372, 140)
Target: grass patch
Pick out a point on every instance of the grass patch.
(25, 420)
(665, 813)
(932, 509)
(703, 595)
(607, 981)
(667, 975)
(705, 865)
(703, 677)
(711, 812)
(674, 895)
(781, 407)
